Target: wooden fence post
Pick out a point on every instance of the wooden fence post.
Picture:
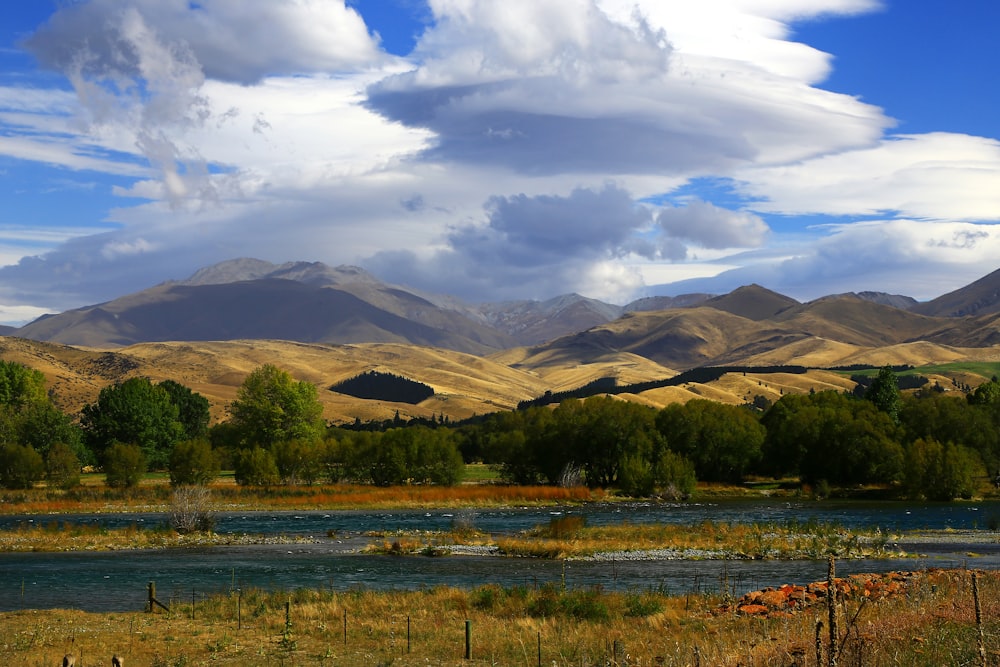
(153, 602)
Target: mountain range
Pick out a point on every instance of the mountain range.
(212, 328)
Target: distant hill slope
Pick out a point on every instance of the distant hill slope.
(979, 298)
(265, 308)
(463, 384)
(532, 322)
(314, 303)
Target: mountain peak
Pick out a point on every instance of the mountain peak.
(752, 302)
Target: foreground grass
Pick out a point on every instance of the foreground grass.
(931, 624)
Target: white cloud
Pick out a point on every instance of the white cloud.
(579, 91)
(711, 226)
(940, 175)
(502, 159)
(233, 41)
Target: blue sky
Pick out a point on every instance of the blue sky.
(496, 151)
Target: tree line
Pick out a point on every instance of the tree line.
(928, 443)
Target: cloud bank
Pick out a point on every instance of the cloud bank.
(521, 150)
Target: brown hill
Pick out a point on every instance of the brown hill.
(979, 298)
(464, 385)
(856, 321)
(752, 302)
(260, 309)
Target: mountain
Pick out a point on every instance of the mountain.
(265, 308)
(310, 302)
(667, 302)
(979, 298)
(533, 322)
(752, 302)
(755, 324)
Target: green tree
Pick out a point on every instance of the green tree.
(124, 466)
(722, 441)
(884, 393)
(193, 462)
(62, 466)
(256, 467)
(134, 411)
(20, 385)
(987, 393)
(20, 466)
(192, 409)
(271, 407)
(298, 461)
(834, 437)
(940, 472)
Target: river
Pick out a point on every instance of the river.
(116, 581)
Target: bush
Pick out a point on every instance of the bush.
(193, 462)
(20, 466)
(256, 467)
(189, 510)
(124, 466)
(62, 467)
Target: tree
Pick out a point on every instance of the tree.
(20, 466)
(271, 407)
(62, 466)
(940, 472)
(723, 441)
(884, 393)
(192, 409)
(20, 385)
(134, 411)
(193, 462)
(124, 466)
(256, 467)
(985, 394)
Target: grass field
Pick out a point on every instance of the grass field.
(930, 621)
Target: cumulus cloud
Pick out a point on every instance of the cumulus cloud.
(537, 244)
(562, 86)
(233, 41)
(711, 226)
(501, 159)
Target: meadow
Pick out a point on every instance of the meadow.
(921, 619)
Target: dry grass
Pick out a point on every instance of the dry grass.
(465, 385)
(932, 624)
(568, 538)
(155, 495)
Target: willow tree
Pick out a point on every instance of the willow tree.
(272, 407)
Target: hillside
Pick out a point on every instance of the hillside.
(464, 384)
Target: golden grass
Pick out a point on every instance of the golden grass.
(155, 495)
(932, 624)
(568, 538)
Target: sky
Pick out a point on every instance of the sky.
(499, 151)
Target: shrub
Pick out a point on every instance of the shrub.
(20, 466)
(193, 462)
(189, 510)
(256, 467)
(62, 467)
(124, 466)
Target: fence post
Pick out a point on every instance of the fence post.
(831, 601)
(468, 640)
(980, 638)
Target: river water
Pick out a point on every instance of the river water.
(116, 581)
